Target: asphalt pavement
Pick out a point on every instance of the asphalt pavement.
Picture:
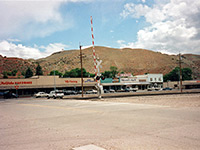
(30, 123)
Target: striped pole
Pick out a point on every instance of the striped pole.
(94, 56)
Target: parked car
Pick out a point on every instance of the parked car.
(134, 89)
(111, 91)
(158, 88)
(55, 94)
(121, 90)
(9, 94)
(130, 89)
(41, 94)
(106, 91)
(151, 89)
(167, 88)
(127, 90)
(80, 92)
(91, 92)
(69, 92)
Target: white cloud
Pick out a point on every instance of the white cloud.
(27, 19)
(10, 49)
(135, 11)
(174, 26)
(13, 40)
(123, 44)
(85, 47)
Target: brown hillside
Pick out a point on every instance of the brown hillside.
(137, 61)
(9, 64)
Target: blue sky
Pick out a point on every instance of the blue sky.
(36, 29)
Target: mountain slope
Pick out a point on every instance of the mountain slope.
(137, 61)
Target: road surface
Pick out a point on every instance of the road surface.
(30, 123)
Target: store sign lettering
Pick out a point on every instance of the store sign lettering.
(15, 83)
(70, 81)
(128, 79)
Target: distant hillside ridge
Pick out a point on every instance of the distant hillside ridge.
(136, 61)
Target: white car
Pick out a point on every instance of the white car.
(112, 91)
(132, 89)
(55, 94)
(91, 92)
(151, 89)
(41, 94)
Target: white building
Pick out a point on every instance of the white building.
(154, 80)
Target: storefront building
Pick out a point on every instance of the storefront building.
(30, 86)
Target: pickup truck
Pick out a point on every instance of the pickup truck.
(55, 94)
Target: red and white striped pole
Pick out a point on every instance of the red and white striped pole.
(94, 56)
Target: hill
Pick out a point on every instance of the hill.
(136, 61)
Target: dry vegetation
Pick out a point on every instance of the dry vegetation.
(136, 61)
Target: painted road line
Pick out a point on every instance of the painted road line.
(89, 147)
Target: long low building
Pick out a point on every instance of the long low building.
(29, 86)
(141, 82)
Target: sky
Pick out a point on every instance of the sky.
(36, 29)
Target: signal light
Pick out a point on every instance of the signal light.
(102, 78)
(97, 77)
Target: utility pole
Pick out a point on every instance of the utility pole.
(54, 79)
(81, 69)
(180, 72)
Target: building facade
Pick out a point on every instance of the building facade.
(29, 86)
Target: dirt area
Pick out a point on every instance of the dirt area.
(176, 100)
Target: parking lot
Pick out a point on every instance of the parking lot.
(129, 123)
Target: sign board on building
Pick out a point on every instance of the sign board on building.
(128, 80)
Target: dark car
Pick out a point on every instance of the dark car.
(127, 90)
(167, 88)
(9, 94)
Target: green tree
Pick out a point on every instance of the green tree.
(5, 76)
(56, 73)
(114, 71)
(76, 73)
(187, 74)
(66, 74)
(91, 75)
(9, 73)
(107, 74)
(29, 73)
(39, 70)
(14, 72)
(174, 74)
(23, 73)
(110, 74)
